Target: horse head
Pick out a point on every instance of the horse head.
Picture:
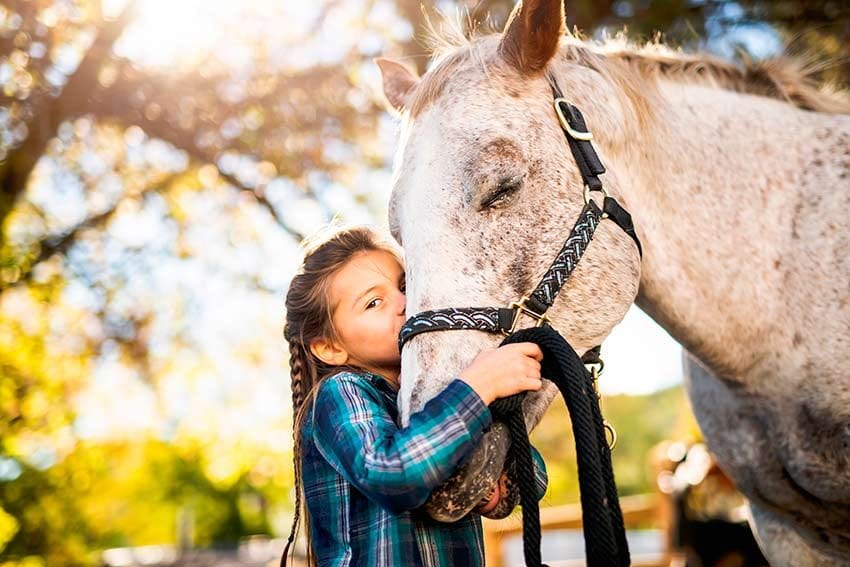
(485, 194)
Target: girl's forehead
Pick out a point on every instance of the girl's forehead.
(363, 271)
(380, 263)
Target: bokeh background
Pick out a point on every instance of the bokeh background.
(160, 161)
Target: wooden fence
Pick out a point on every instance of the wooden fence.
(638, 511)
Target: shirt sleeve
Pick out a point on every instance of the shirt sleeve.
(541, 478)
(396, 468)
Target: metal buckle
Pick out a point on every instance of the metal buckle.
(587, 191)
(595, 369)
(541, 319)
(575, 134)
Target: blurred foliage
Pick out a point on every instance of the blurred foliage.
(641, 422)
(113, 494)
(158, 156)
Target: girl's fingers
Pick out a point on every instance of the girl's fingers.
(531, 350)
(532, 368)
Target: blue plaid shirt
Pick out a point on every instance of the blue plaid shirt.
(364, 478)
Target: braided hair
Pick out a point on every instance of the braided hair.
(308, 317)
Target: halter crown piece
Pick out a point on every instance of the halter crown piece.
(504, 320)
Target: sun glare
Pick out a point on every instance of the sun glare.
(168, 33)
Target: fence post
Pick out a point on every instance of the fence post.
(492, 544)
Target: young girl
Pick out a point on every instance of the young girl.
(363, 477)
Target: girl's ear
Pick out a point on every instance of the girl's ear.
(328, 352)
(399, 82)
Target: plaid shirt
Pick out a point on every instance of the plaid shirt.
(364, 477)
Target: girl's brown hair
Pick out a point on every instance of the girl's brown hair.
(308, 317)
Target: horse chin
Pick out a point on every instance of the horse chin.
(472, 480)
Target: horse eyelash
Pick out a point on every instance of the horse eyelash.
(506, 189)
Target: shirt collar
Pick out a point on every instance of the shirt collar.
(382, 383)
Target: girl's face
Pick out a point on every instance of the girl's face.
(367, 304)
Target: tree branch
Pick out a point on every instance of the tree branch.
(61, 243)
(49, 113)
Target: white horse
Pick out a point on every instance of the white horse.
(738, 180)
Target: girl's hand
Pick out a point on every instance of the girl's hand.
(504, 371)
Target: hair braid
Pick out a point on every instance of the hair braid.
(296, 365)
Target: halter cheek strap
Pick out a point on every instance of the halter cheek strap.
(589, 165)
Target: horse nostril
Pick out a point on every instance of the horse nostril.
(490, 494)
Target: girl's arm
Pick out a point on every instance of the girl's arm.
(397, 468)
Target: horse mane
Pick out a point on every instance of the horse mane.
(636, 69)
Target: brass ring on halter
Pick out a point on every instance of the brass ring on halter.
(610, 434)
(587, 191)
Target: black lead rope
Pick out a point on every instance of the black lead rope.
(602, 519)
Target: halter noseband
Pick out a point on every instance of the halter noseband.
(504, 320)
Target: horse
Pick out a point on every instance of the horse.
(737, 177)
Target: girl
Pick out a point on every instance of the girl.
(363, 477)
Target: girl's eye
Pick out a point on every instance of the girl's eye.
(371, 303)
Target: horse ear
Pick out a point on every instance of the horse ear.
(399, 82)
(531, 36)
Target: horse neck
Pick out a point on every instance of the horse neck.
(712, 192)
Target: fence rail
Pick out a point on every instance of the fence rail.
(639, 510)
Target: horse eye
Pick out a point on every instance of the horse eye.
(506, 187)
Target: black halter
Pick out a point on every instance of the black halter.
(505, 319)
